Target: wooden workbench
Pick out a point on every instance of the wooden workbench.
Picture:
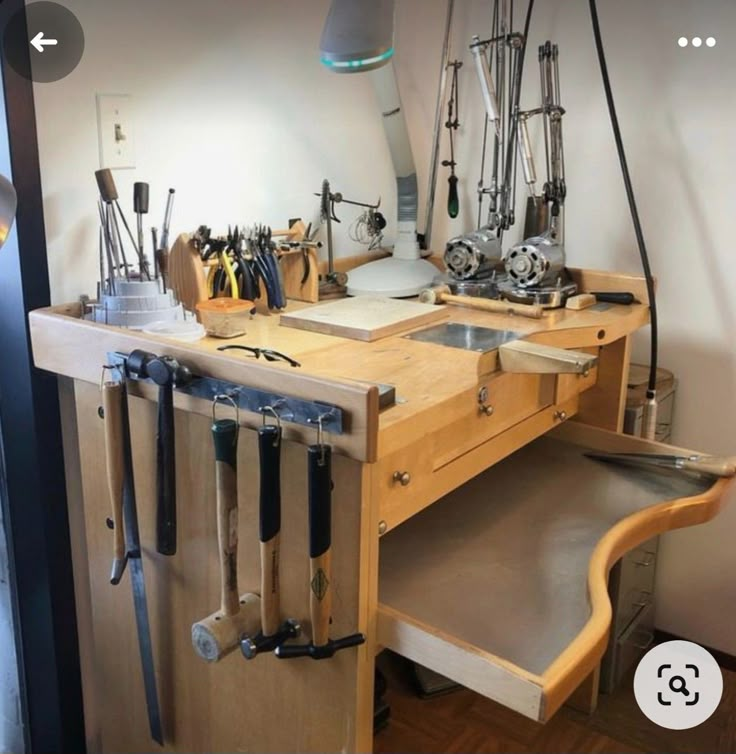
(437, 439)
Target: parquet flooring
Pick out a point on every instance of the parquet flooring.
(464, 722)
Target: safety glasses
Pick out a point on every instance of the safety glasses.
(267, 353)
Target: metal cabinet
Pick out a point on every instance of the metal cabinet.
(631, 588)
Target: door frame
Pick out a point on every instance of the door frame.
(34, 499)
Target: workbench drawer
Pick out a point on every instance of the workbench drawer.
(503, 413)
(502, 585)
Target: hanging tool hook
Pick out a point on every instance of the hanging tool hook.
(319, 421)
(118, 373)
(271, 410)
(224, 397)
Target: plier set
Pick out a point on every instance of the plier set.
(242, 265)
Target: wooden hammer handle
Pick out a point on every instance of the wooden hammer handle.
(319, 467)
(112, 404)
(225, 435)
(533, 311)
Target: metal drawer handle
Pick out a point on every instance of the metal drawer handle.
(483, 406)
(645, 599)
(402, 477)
(649, 558)
(647, 642)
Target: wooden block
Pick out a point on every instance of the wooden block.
(292, 269)
(581, 301)
(364, 318)
(186, 274)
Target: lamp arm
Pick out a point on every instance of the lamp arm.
(397, 135)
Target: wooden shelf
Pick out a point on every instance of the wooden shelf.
(488, 586)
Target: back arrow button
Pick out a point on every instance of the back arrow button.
(40, 43)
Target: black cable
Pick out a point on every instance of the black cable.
(652, 387)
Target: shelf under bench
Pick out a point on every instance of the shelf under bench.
(501, 585)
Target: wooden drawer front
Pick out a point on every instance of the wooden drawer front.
(488, 586)
(492, 421)
(509, 399)
(426, 481)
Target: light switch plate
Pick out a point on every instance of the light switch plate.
(116, 130)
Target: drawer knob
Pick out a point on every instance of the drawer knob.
(382, 528)
(560, 416)
(402, 477)
(483, 406)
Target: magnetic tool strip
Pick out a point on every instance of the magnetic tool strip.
(294, 410)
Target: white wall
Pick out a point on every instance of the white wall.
(234, 110)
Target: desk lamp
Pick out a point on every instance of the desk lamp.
(358, 37)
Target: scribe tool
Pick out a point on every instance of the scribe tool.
(717, 466)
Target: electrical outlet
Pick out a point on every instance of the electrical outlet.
(116, 130)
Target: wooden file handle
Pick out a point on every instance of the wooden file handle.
(319, 467)
(112, 404)
(715, 465)
(225, 436)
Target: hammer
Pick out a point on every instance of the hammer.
(166, 372)
(441, 294)
(319, 467)
(273, 633)
(219, 633)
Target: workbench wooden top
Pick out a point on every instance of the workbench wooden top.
(425, 375)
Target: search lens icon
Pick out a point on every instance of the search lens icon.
(681, 687)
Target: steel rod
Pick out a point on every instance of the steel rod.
(441, 94)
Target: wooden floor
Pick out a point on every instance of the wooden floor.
(466, 723)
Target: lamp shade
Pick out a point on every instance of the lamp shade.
(358, 35)
(8, 204)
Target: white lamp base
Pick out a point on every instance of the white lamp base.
(391, 277)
